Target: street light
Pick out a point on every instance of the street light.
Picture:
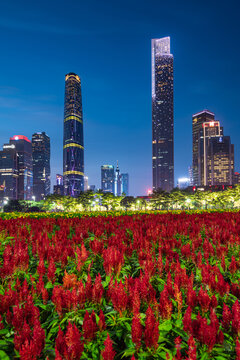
(34, 198)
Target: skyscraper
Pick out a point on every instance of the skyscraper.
(9, 172)
(162, 115)
(107, 178)
(215, 156)
(117, 182)
(23, 148)
(41, 165)
(125, 183)
(197, 123)
(73, 150)
(58, 188)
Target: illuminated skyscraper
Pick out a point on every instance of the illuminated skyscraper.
(162, 115)
(23, 148)
(41, 165)
(197, 124)
(73, 150)
(9, 172)
(215, 156)
(107, 178)
(117, 182)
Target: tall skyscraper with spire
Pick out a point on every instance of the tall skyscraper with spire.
(73, 150)
(162, 115)
(117, 182)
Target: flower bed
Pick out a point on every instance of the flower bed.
(145, 286)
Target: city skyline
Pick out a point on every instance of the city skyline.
(116, 84)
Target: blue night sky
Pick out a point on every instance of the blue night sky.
(108, 44)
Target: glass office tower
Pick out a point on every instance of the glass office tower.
(125, 183)
(23, 148)
(107, 178)
(162, 115)
(41, 165)
(73, 150)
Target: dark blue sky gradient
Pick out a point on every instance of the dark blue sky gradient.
(107, 43)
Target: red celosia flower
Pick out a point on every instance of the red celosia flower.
(119, 297)
(178, 342)
(27, 351)
(227, 317)
(51, 271)
(237, 350)
(69, 280)
(165, 305)
(89, 326)
(108, 353)
(233, 266)
(101, 322)
(151, 332)
(41, 267)
(97, 290)
(60, 345)
(1, 323)
(187, 321)
(74, 345)
(137, 330)
(82, 255)
(192, 351)
(204, 300)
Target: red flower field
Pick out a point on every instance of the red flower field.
(145, 286)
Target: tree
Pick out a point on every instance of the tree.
(108, 200)
(127, 202)
(12, 205)
(86, 199)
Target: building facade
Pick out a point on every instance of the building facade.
(125, 183)
(41, 165)
(73, 149)
(220, 161)
(107, 178)
(9, 172)
(23, 148)
(197, 123)
(162, 115)
(215, 156)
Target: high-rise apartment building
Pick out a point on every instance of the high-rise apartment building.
(162, 115)
(9, 172)
(23, 148)
(73, 150)
(125, 183)
(197, 123)
(41, 165)
(107, 178)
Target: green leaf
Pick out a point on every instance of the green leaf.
(165, 326)
(3, 355)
